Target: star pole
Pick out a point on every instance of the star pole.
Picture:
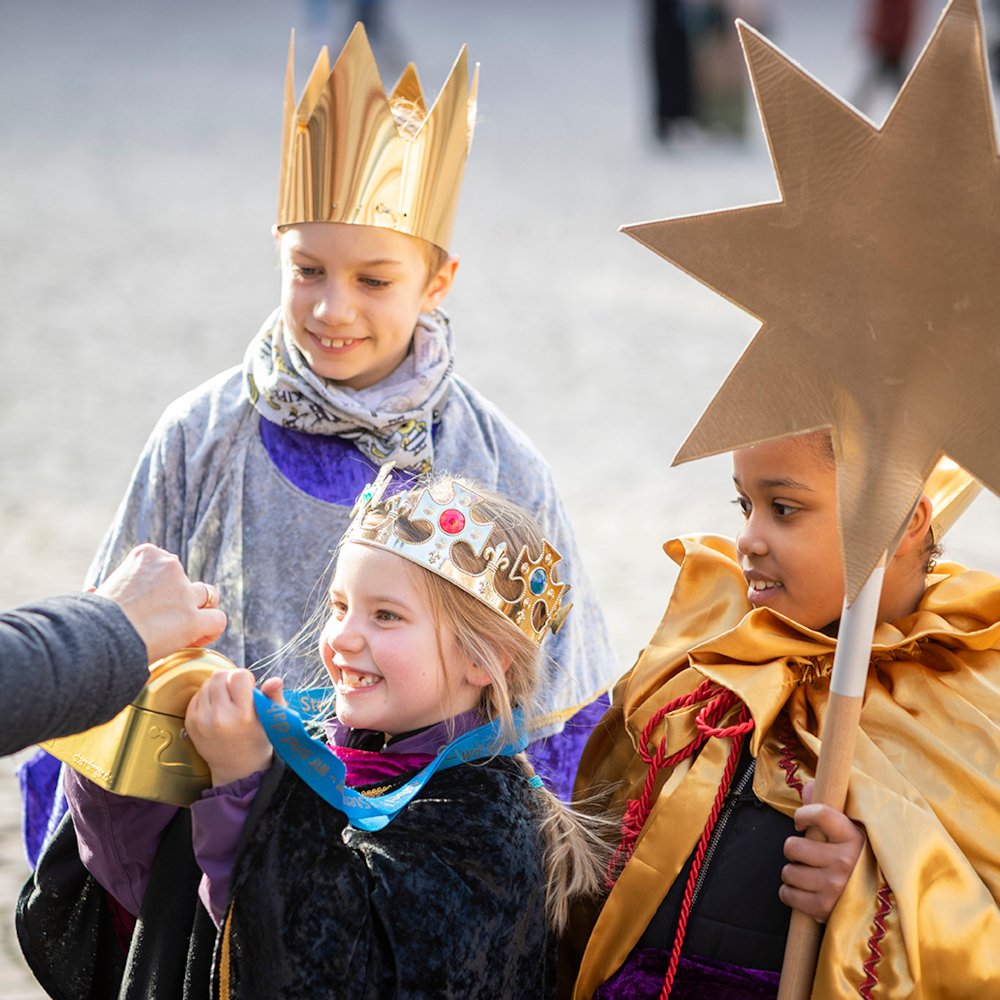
(875, 279)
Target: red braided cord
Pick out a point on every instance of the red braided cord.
(637, 810)
(738, 731)
(702, 691)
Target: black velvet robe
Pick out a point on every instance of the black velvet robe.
(447, 902)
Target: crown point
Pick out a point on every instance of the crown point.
(408, 90)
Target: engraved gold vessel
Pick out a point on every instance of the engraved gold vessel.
(144, 751)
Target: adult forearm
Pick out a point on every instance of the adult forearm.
(66, 664)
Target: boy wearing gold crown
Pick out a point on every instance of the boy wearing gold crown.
(251, 476)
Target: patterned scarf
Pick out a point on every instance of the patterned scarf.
(391, 420)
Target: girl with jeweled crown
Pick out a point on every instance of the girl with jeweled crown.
(419, 854)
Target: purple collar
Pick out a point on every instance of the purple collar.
(324, 466)
(430, 740)
(403, 755)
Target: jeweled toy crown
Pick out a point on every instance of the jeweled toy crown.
(540, 605)
(344, 158)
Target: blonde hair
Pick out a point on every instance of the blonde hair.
(574, 844)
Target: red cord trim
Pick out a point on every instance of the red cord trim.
(870, 966)
(787, 744)
(718, 701)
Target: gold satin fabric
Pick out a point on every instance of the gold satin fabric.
(925, 782)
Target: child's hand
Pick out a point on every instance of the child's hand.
(224, 728)
(819, 869)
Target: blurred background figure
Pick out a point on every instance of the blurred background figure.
(888, 31)
(699, 72)
(673, 98)
(721, 84)
(991, 17)
(329, 22)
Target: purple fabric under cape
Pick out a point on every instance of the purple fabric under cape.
(641, 978)
(369, 767)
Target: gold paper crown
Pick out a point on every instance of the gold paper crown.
(539, 606)
(344, 157)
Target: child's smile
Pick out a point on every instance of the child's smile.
(394, 668)
(353, 680)
(338, 345)
(351, 296)
(759, 588)
(329, 354)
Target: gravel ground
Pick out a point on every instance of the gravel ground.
(138, 166)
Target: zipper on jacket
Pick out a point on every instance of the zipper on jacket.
(736, 790)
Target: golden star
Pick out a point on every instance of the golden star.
(876, 278)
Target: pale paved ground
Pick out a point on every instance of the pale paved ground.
(138, 146)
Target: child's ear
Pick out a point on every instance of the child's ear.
(439, 285)
(916, 530)
(478, 677)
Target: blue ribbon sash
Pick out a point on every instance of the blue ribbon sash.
(320, 768)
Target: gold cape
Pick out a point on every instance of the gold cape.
(925, 783)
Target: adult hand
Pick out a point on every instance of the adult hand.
(819, 868)
(167, 610)
(223, 725)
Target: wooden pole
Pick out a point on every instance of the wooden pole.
(833, 770)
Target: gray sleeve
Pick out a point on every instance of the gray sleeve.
(183, 485)
(66, 663)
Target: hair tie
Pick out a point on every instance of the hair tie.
(536, 782)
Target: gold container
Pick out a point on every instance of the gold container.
(144, 750)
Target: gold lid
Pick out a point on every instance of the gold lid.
(174, 680)
(347, 157)
(144, 750)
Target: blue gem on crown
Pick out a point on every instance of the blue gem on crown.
(539, 607)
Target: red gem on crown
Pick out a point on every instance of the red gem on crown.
(451, 521)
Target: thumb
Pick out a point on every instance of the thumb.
(274, 688)
(807, 792)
